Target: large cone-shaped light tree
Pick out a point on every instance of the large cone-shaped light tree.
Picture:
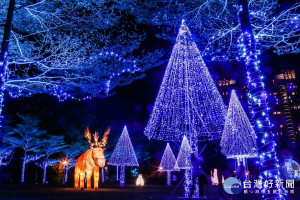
(123, 155)
(238, 139)
(168, 163)
(188, 102)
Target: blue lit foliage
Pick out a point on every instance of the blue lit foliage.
(188, 102)
(123, 154)
(51, 144)
(218, 29)
(238, 139)
(26, 136)
(70, 155)
(73, 49)
(6, 154)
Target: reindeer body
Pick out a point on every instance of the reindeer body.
(89, 162)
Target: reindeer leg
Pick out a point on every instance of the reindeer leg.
(82, 174)
(76, 180)
(88, 179)
(96, 177)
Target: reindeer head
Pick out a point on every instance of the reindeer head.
(97, 147)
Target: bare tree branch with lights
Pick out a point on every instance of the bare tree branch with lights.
(70, 49)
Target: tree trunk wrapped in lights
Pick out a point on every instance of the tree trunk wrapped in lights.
(123, 155)
(269, 168)
(168, 163)
(188, 102)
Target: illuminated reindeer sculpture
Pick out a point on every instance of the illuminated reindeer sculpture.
(90, 161)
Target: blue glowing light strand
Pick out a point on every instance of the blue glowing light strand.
(168, 163)
(238, 138)
(27, 159)
(218, 28)
(268, 160)
(123, 154)
(56, 84)
(6, 154)
(188, 102)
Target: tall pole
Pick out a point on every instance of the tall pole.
(117, 172)
(168, 178)
(122, 176)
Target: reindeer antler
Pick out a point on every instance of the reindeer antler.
(96, 138)
(104, 138)
(87, 135)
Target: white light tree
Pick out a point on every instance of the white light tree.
(238, 139)
(184, 162)
(168, 163)
(52, 144)
(123, 155)
(26, 135)
(188, 102)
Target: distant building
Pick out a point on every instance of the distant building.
(226, 85)
(285, 101)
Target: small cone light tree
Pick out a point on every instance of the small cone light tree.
(238, 139)
(123, 155)
(168, 163)
(184, 162)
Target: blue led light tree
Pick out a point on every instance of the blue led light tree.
(123, 155)
(168, 163)
(238, 139)
(188, 102)
(6, 153)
